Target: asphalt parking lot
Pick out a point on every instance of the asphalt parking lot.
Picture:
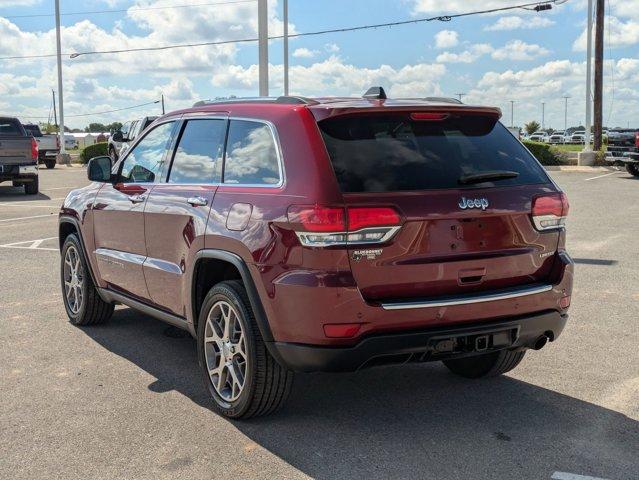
(125, 400)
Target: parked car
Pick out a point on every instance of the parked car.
(623, 148)
(578, 136)
(120, 139)
(70, 142)
(18, 156)
(334, 234)
(48, 145)
(539, 136)
(557, 137)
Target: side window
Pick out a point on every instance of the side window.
(125, 129)
(251, 154)
(144, 162)
(133, 130)
(198, 152)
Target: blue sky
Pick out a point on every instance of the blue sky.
(523, 56)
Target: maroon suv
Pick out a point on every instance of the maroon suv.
(327, 234)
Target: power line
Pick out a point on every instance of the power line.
(104, 112)
(440, 18)
(131, 9)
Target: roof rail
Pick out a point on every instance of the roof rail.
(444, 100)
(289, 100)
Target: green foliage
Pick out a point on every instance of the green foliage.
(546, 154)
(101, 127)
(532, 127)
(95, 150)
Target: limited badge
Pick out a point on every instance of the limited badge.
(367, 254)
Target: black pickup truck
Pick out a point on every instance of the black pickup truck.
(18, 156)
(623, 148)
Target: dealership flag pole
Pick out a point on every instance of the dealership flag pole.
(262, 34)
(63, 151)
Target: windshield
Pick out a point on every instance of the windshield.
(380, 153)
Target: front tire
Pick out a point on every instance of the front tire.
(490, 364)
(633, 169)
(241, 376)
(81, 299)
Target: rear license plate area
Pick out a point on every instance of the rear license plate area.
(473, 342)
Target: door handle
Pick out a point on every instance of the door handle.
(137, 198)
(197, 201)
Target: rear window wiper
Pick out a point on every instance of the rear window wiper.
(487, 176)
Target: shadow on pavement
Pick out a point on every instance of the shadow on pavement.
(416, 421)
(595, 261)
(9, 193)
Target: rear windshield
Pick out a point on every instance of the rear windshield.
(10, 126)
(33, 130)
(383, 153)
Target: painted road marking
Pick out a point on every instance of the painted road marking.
(601, 176)
(26, 218)
(572, 476)
(31, 245)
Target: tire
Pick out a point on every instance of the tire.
(90, 308)
(266, 384)
(633, 169)
(31, 188)
(50, 163)
(485, 365)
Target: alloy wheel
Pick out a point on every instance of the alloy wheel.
(73, 277)
(225, 351)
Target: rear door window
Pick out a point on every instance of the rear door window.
(251, 154)
(392, 152)
(199, 152)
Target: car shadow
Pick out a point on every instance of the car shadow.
(415, 421)
(16, 194)
(595, 261)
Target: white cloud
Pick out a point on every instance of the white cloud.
(516, 50)
(334, 77)
(446, 39)
(467, 56)
(516, 23)
(618, 33)
(331, 47)
(304, 53)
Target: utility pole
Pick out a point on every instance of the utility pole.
(543, 115)
(63, 157)
(566, 97)
(285, 18)
(55, 114)
(461, 95)
(262, 34)
(599, 53)
(587, 147)
(163, 104)
(512, 114)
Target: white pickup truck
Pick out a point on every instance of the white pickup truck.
(48, 145)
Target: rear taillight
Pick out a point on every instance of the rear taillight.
(34, 149)
(319, 226)
(549, 212)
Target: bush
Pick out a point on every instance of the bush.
(544, 153)
(95, 150)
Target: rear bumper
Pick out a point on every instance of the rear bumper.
(26, 172)
(428, 345)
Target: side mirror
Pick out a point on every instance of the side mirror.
(118, 136)
(99, 169)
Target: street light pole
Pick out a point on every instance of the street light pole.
(63, 150)
(566, 97)
(512, 114)
(285, 18)
(587, 147)
(543, 115)
(262, 34)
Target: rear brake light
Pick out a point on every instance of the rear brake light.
(549, 212)
(564, 302)
(319, 226)
(34, 149)
(428, 116)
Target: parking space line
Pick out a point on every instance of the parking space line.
(601, 176)
(31, 245)
(572, 476)
(25, 218)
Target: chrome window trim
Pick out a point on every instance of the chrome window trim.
(470, 299)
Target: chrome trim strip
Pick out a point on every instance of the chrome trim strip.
(467, 300)
(112, 257)
(163, 265)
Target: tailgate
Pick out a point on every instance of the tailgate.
(15, 150)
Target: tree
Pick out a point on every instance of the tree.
(95, 127)
(113, 127)
(532, 127)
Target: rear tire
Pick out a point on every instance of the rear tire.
(31, 188)
(230, 349)
(633, 169)
(50, 163)
(83, 304)
(485, 365)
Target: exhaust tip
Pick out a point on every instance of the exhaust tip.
(540, 342)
